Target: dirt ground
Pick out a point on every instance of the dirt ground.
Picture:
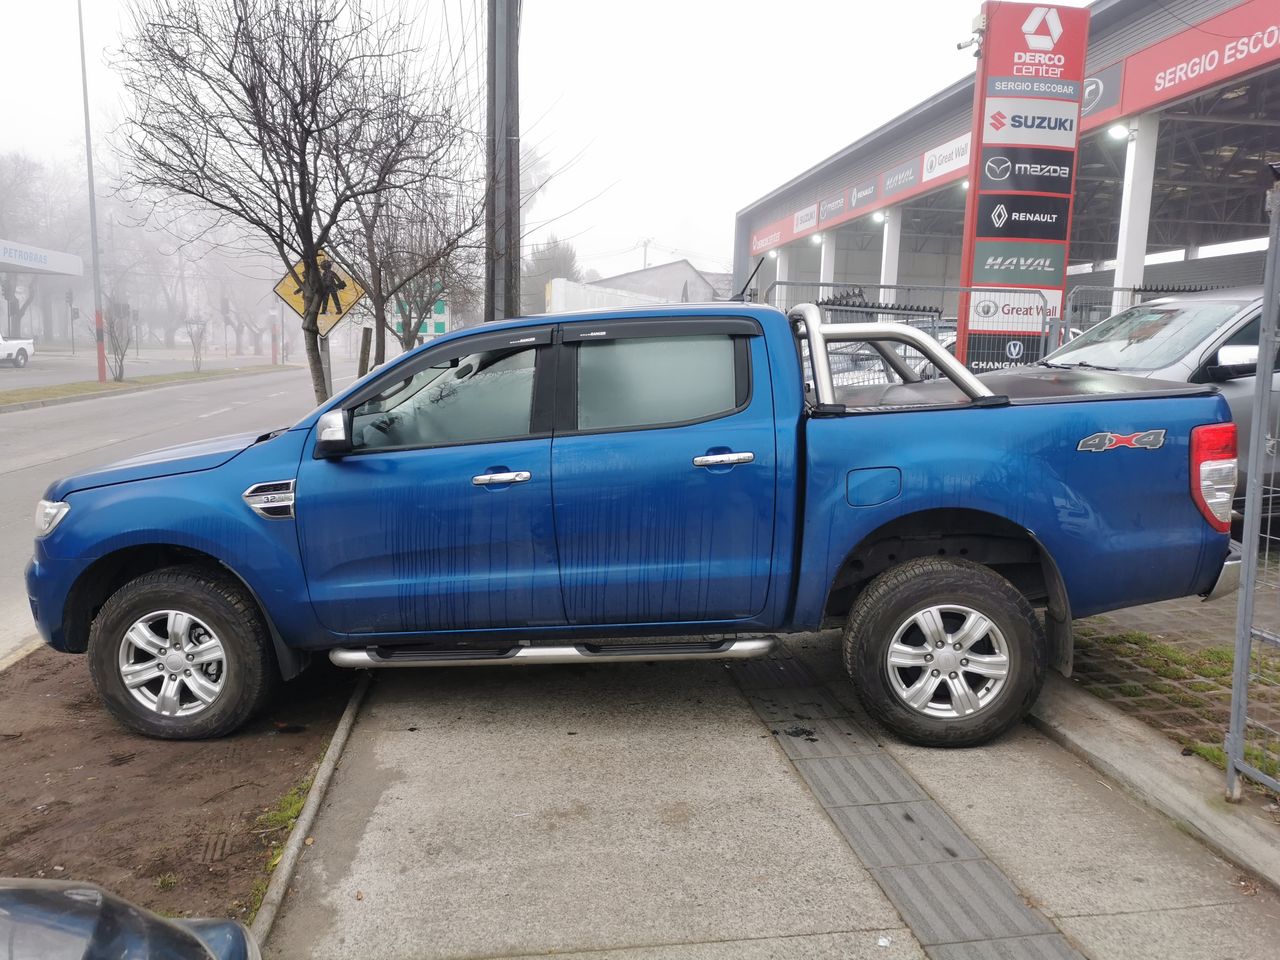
(170, 826)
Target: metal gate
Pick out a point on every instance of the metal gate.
(1253, 740)
(1009, 326)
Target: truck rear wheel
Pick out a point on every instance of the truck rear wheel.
(181, 654)
(20, 359)
(944, 653)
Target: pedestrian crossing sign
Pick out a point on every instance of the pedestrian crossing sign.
(340, 290)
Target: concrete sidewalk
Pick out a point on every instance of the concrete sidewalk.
(647, 811)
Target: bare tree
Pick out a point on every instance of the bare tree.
(276, 115)
(197, 328)
(547, 261)
(415, 247)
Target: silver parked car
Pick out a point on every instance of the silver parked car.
(1209, 337)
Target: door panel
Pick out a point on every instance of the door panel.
(644, 535)
(405, 541)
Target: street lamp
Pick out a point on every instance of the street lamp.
(93, 209)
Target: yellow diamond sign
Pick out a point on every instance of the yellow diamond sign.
(338, 288)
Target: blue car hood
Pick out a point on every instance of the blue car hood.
(166, 462)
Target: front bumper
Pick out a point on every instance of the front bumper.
(49, 581)
(1229, 579)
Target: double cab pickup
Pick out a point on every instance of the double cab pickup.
(681, 482)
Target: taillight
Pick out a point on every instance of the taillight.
(1213, 472)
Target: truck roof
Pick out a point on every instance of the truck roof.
(762, 312)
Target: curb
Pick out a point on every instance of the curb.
(1150, 767)
(125, 391)
(278, 885)
(21, 652)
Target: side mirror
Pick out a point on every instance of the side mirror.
(1233, 361)
(333, 434)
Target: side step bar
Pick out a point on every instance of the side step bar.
(577, 653)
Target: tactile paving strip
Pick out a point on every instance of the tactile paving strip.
(955, 900)
(903, 834)
(1050, 946)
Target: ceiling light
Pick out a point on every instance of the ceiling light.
(816, 238)
(773, 254)
(965, 185)
(878, 217)
(1118, 131)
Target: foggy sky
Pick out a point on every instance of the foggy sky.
(660, 119)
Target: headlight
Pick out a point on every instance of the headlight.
(49, 514)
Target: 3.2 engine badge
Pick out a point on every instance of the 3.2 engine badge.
(1102, 442)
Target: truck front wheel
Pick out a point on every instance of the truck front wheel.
(181, 654)
(944, 652)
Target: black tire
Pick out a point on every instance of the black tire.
(20, 359)
(892, 600)
(221, 602)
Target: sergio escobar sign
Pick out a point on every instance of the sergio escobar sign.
(1026, 126)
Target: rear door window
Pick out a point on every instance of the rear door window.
(654, 381)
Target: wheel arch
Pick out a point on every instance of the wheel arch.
(979, 536)
(113, 570)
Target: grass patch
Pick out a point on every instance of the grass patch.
(1131, 689)
(166, 881)
(1102, 693)
(1215, 755)
(287, 809)
(60, 391)
(277, 820)
(1202, 686)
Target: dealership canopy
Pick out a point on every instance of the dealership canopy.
(1179, 110)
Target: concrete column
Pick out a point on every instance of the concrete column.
(827, 266)
(1135, 204)
(889, 250)
(782, 274)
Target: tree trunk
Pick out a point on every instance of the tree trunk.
(311, 341)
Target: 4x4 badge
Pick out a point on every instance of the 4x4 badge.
(1101, 442)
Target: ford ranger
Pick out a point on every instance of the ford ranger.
(681, 482)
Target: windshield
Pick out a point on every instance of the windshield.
(1148, 336)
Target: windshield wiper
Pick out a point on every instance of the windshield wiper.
(1090, 366)
(1056, 366)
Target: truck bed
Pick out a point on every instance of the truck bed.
(1026, 385)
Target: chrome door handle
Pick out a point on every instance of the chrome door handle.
(723, 459)
(490, 479)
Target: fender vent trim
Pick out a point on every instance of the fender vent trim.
(272, 499)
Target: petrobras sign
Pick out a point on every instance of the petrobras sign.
(805, 219)
(1036, 123)
(947, 158)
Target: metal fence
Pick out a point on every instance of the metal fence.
(1086, 306)
(1009, 326)
(1253, 739)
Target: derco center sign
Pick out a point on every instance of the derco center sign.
(1026, 127)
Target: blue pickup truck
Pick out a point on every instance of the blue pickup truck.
(683, 482)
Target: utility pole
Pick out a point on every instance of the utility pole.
(93, 210)
(645, 243)
(502, 161)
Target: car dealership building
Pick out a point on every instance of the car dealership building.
(1179, 112)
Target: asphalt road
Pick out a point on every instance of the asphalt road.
(43, 444)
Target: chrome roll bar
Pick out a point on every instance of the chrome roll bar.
(807, 318)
